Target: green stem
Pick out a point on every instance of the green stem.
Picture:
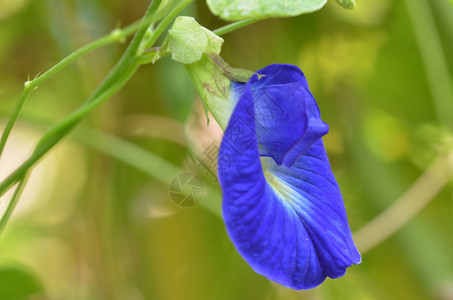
(145, 57)
(120, 74)
(166, 21)
(117, 35)
(130, 55)
(60, 130)
(234, 26)
(12, 203)
(436, 176)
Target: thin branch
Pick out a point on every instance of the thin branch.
(116, 36)
(405, 208)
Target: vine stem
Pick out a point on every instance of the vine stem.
(12, 203)
(427, 186)
(236, 25)
(117, 35)
(120, 74)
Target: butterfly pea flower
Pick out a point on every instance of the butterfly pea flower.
(282, 206)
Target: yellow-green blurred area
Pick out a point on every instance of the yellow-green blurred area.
(95, 220)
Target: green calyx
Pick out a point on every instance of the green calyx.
(212, 77)
(198, 49)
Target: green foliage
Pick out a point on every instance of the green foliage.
(18, 283)
(233, 10)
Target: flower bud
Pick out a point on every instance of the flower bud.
(198, 48)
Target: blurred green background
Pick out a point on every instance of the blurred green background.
(91, 226)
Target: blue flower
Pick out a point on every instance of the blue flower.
(281, 203)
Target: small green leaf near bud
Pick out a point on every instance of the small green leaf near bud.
(214, 41)
(188, 40)
(198, 48)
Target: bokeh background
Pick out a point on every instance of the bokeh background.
(96, 221)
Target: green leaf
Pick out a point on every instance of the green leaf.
(234, 10)
(16, 282)
(188, 40)
(348, 4)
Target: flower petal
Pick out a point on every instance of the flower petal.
(276, 74)
(289, 223)
(287, 117)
